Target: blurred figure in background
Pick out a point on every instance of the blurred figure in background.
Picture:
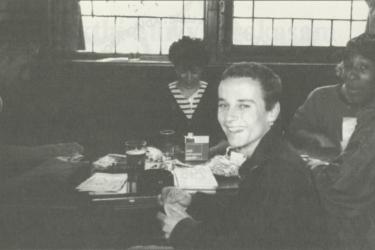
(189, 104)
(329, 115)
(16, 158)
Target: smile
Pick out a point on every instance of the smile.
(235, 129)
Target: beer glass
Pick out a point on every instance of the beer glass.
(135, 151)
(167, 143)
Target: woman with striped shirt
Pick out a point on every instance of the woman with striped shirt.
(190, 104)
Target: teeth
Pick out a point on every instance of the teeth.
(234, 130)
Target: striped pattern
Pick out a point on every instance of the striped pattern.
(188, 105)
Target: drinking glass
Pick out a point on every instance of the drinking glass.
(167, 143)
(135, 151)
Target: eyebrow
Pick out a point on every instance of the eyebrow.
(240, 100)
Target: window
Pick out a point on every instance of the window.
(146, 27)
(296, 26)
(297, 23)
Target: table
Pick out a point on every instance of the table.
(41, 209)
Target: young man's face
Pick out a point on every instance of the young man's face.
(359, 79)
(242, 114)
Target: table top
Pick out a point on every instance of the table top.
(52, 186)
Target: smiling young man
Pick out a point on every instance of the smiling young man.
(276, 206)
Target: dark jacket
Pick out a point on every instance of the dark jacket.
(277, 206)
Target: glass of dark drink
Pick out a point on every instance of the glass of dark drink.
(135, 151)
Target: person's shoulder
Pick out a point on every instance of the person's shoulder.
(326, 90)
(287, 160)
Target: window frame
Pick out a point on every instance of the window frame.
(137, 57)
(298, 54)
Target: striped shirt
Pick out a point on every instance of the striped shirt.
(188, 105)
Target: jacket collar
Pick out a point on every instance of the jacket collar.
(263, 152)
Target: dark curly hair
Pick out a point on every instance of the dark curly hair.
(363, 44)
(270, 82)
(189, 52)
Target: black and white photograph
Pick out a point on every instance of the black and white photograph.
(187, 124)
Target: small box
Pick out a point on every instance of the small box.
(196, 147)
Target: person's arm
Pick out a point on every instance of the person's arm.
(205, 224)
(314, 139)
(305, 128)
(24, 154)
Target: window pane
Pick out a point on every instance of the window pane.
(263, 32)
(194, 9)
(321, 33)
(126, 35)
(194, 28)
(301, 32)
(358, 27)
(303, 9)
(103, 7)
(143, 33)
(87, 32)
(242, 8)
(85, 7)
(172, 31)
(360, 10)
(162, 8)
(341, 33)
(242, 31)
(149, 35)
(282, 34)
(127, 8)
(104, 34)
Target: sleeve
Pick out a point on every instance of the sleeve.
(210, 228)
(347, 185)
(307, 115)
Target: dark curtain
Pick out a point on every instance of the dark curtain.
(65, 30)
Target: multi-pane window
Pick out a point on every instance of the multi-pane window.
(146, 27)
(323, 23)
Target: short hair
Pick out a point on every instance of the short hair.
(189, 52)
(363, 44)
(270, 82)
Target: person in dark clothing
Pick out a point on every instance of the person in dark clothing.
(189, 104)
(277, 206)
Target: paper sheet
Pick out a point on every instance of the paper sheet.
(198, 177)
(103, 182)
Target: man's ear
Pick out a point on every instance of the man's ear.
(273, 113)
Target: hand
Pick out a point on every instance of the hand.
(68, 149)
(173, 195)
(61, 149)
(174, 213)
(221, 165)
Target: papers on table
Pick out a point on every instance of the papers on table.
(108, 161)
(105, 183)
(198, 178)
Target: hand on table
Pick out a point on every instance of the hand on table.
(175, 202)
(174, 213)
(61, 149)
(172, 195)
